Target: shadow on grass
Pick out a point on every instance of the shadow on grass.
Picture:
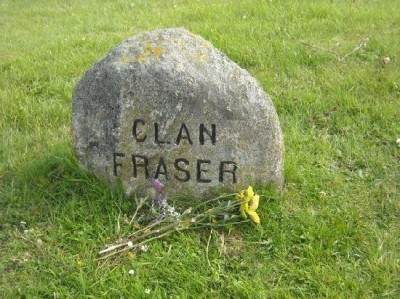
(55, 184)
(55, 195)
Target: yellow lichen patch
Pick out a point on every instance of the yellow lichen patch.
(203, 57)
(141, 58)
(147, 50)
(150, 51)
(205, 44)
(158, 51)
(126, 59)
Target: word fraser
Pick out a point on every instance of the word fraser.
(179, 170)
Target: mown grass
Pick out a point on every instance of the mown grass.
(333, 232)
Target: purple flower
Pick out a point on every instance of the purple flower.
(161, 198)
(158, 185)
(160, 201)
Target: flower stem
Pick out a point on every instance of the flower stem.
(212, 200)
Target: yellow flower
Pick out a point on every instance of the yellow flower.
(254, 202)
(79, 262)
(249, 204)
(246, 194)
(240, 195)
(249, 193)
(244, 208)
(254, 217)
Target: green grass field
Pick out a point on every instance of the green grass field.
(332, 69)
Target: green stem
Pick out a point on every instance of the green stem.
(148, 233)
(140, 238)
(213, 199)
(150, 226)
(139, 206)
(134, 247)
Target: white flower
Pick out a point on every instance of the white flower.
(131, 272)
(147, 291)
(130, 244)
(144, 248)
(188, 211)
(171, 211)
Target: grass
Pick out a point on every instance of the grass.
(333, 232)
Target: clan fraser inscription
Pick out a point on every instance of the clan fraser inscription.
(140, 163)
(166, 104)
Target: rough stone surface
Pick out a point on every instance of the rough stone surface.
(166, 104)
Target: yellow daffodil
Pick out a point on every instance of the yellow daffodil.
(249, 204)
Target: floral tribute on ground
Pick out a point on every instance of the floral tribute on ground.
(162, 219)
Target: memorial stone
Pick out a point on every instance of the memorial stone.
(168, 105)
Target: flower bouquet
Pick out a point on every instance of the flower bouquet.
(162, 219)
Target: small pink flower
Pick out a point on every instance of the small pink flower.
(158, 185)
